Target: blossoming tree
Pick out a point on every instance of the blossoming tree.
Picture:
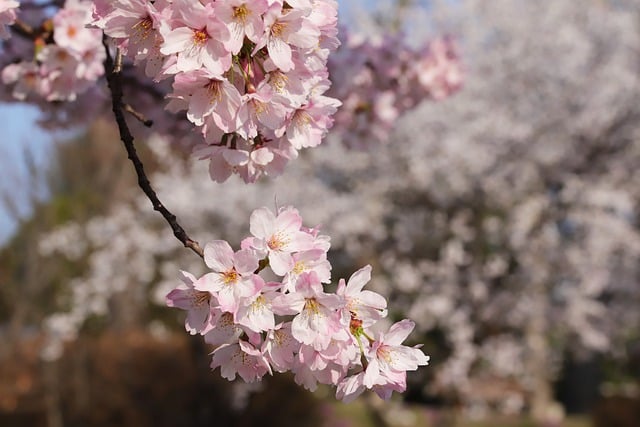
(247, 86)
(503, 220)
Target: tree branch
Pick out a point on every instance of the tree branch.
(113, 69)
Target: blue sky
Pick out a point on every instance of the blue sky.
(19, 135)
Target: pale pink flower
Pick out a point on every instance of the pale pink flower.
(232, 278)
(317, 318)
(280, 347)
(240, 358)
(288, 88)
(309, 378)
(26, 76)
(205, 94)
(223, 329)
(196, 303)
(258, 110)
(285, 28)
(367, 306)
(243, 18)
(305, 261)
(310, 123)
(70, 27)
(135, 22)
(278, 237)
(7, 16)
(389, 360)
(222, 162)
(353, 386)
(255, 312)
(197, 38)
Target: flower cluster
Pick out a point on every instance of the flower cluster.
(68, 58)
(378, 79)
(250, 74)
(292, 324)
(7, 16)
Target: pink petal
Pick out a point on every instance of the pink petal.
(218, 256)
(398, 332)
(262, 223)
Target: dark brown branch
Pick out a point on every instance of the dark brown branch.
(115, 86)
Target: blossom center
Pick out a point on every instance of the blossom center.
(278, 29)
(62, 55)
(278, 81)
(226, 320)
(200, 37)
(240, 13)
(280, 337)
(199, 298)
(258, 304)
(214, 87)
(259, 107)
(299, 267)
(143, 27)
(277, 241)
(230, 277)
(312, 306)
(302, 118)
(383, 353)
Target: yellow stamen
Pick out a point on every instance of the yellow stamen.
(278, 81)
(240, 13)
(299, 267)
(200, 37)
(278, 28)
(230, 277)
(312, 306)
(302, 118)
(258, 304)
(143, 28)
(277, 241)
(214, 87)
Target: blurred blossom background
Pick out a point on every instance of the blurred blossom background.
(499, 210)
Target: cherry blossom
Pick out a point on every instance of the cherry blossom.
(258, 326)
(7, 16)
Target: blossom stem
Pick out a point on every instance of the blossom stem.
(113, 68)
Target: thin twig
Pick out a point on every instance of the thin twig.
(23, 29)
(138, 115)
(115, 86)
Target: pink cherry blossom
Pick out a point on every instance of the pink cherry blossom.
(197, 303)
(26, 76)
(286, 29)
(197, 38)
(389, 360)
(244, 18)
(240, 358)
(255, 312)
(279, 237)
(204, 94)
(316, 317)
(7, 16)
(232, 278)
(366, 306)
(280, 347)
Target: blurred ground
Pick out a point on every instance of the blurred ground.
(134, 379)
